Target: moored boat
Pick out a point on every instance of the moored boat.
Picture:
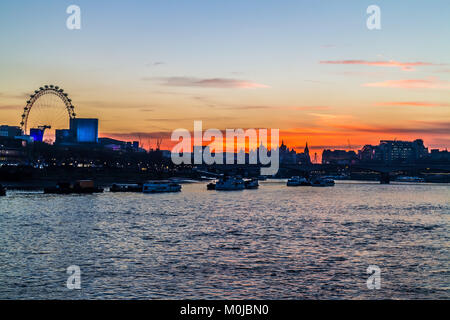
(251, 184)
(79, 187)
(322, 182)
(297, 181)
(121, 187)
(161, 187)
(410, 179)
(230, 183)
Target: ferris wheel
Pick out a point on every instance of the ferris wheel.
(48, 107)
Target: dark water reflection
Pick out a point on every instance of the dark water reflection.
(272, 243)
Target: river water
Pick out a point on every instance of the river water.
(272, 243)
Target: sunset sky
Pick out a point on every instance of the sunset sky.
(310, 68)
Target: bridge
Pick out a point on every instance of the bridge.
(384, 170)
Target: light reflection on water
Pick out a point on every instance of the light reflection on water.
(271, 243)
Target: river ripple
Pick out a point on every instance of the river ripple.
(271, 243)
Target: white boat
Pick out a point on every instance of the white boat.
(297, 182)
(230, 183)
(160, 187)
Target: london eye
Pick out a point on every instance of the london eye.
(49, 107)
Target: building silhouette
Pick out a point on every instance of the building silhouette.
(394, 151)
(287, 156)
(339, 157)
(304, 158)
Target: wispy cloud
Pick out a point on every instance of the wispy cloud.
(155, 64)
(188, 119)
(410, 128)
(442, 71)
(331, 146)
(209, 83)
(308, 108)
(9, 107)
(17, 96)
(405, 66)
(324, 115)
(429, 83)
(248, 107)
(411, 104)
(137, 135)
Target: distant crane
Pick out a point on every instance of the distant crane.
(149, 145)
(140, 140)
(43, 128)
(158, 144)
